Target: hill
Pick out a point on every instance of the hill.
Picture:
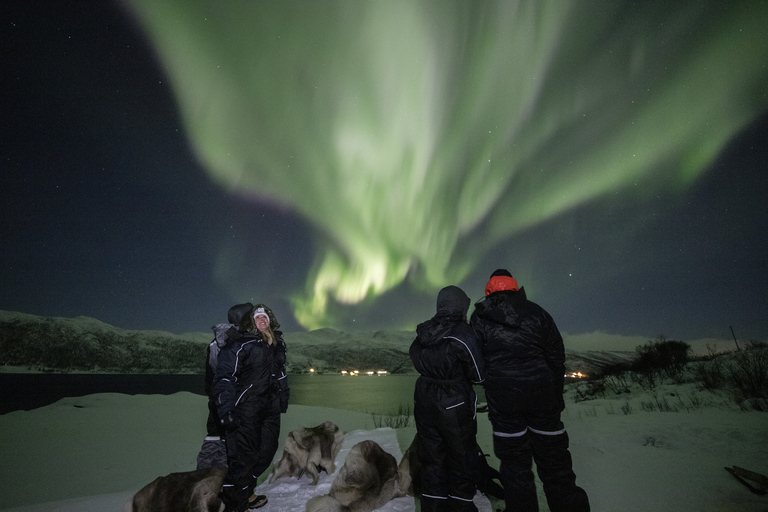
(83, 344)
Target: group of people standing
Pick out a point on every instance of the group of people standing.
(248, 390)
(511, 346)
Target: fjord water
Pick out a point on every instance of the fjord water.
(385, 395)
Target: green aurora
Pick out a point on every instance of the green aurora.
(417, 135)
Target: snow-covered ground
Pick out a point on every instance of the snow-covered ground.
(90, 454)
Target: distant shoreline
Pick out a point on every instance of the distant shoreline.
(58, 371)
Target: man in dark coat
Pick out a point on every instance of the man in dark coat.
(525, 364)
(446, 355)
(213, 452)
(251, 390)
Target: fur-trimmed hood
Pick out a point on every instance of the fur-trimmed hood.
(247, 324)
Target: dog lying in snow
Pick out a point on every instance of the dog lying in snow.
(191, 491)
(367, 481)
(310, 450)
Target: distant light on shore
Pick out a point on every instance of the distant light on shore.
(355, 373)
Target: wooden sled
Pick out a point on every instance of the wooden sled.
(755, 482)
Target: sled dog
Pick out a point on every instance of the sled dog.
(309, 450)
(367, 481)
(191, 491)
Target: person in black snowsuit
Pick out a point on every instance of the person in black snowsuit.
(525, 364)
(446, 355)
(251, 390)
(213, 452)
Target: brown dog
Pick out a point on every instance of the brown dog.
(191, 491)
(310, 450)
(367, 481)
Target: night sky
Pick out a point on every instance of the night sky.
(343, 161)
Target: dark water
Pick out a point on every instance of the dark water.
(26, 391)
(386, 395)
(380, 395)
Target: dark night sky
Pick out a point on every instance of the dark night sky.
(109, 211)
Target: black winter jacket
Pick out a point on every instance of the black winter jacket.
(223, 334)
(445, 349)
(249, 373)
(519, 339)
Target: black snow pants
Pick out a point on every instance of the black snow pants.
(250, 449)
(445, 413)
(526, 426)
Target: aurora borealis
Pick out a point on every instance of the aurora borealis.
(343, 160)
(415, 136)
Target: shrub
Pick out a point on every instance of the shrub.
(747, 377)
(659, 359)
(710, 374)
(660, 404)
(647, 380)
(618, 383)
(662, 354)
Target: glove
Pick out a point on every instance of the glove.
(284, 402)
(230, 422)
(285, 394)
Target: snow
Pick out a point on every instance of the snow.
(92, 453)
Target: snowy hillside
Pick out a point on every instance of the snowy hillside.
(34, 343)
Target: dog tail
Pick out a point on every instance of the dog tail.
(325, 503)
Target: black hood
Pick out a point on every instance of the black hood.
(452, 301)
(237, 312)
(452, 307)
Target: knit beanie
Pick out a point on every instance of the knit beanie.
(260, 312)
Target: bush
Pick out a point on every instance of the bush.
(658, 359)
(661, 354)
(710, 374)
(647, 380)
(618, 383)
(747, 377)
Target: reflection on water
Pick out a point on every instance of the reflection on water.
(381, 395)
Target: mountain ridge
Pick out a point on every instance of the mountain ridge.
(84, 344)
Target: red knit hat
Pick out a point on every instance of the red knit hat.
(500, 280)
